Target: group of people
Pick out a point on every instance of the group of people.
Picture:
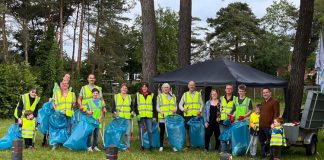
(264, 121)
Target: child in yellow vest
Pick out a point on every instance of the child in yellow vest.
(278, 139)
(254, 129)
(28, 128)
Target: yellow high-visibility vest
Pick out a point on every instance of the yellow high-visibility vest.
(226, 107)
(145, 106)
(192, 104)
(278, 139)
(123, 106)
(254, 120)
(26, 103)
(64, 104)
(86, 94)
(166, 106)
(28, 128)
(241, 109)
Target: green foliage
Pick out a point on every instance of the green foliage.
(15, 80)
(319, 10)
(235, 26)
(281, 18)
(272, 52)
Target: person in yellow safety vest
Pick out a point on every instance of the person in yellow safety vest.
(57, 87)
(64, 102)
(166, 104)
(85, 94)
(278, 138)
(28, 128)
(242, 107)
(226, 107)
(122, 107)
(191, 104)
(28, 101)
(143, 106)
(254, 129)
(94, 109)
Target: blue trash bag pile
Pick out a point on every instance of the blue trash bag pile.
(114, 133)
(240, 138)
(58, 133)
(155, 137)
(43, 117)
(12, 134)
(197, 131)
(175, 130)
(79, 137)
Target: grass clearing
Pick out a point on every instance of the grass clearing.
(296, 153)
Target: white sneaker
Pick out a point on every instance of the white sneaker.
(90, 149)
(174, 149)
(161, 149)
(96, 149)
(53, 148)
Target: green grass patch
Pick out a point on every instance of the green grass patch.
(135, 154)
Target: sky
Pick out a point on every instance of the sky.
(202, 9)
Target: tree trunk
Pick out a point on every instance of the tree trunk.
(149, 40)
(88, 40)
(4, 39)
(300, 53)
(74, 37)
(25, 37)
(184, 51)
(61, 29)
(80, 36)
(96, 43)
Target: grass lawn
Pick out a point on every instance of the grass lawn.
(135, 153)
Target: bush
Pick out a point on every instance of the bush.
(15, 80)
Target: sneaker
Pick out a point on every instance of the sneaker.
(53, 148)
(90, 149)
(174, 149)
(96, 149)
(161, 149)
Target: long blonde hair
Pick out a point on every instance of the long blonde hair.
(213, 90)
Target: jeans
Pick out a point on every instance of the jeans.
(95, 138)
(147, 124)
(128, 133)
(264, 136)
(224, 144)
(254, 144)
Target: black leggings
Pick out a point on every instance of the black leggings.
(212, 129)
(162, 131)
(28, 142)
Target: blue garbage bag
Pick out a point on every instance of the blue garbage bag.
(240, 137)
(226, 135)
(76, 118)
(43, 117)
(175, 130)
(58, 133)
(197, 131)
(114, 133)
(79, 137)
(155, 137)
(12, 134)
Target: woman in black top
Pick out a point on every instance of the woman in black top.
(211, 119)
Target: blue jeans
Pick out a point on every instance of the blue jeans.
(224, 145)
(128, 133)
(145, 123)
(95, 138)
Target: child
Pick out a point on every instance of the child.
(94, 108)
(254, 129)
(28, 128)
(278, 139)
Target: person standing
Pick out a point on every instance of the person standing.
(211, 119)
(28, 101)
(242, 108)
(85, 94)
(64, 102)
(28, 128)
(94, 109)
(254, 130)
(227, 104)
(268, 112)
(143, 106)
(122, 107)
(191, 104)
(166, 104)
(278, 139)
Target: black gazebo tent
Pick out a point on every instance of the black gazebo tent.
(220, 72)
